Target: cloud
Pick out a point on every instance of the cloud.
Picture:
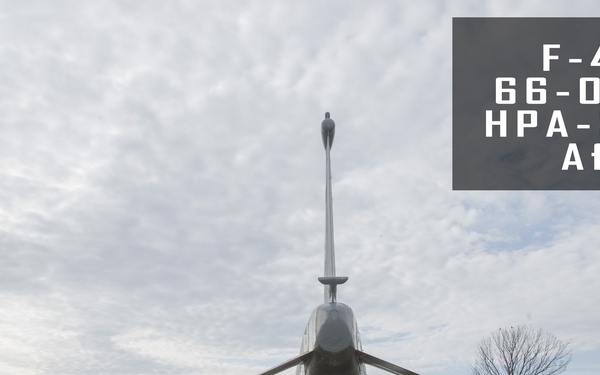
(161, 191)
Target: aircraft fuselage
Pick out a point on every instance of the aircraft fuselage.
(332, 335)
(331, 343)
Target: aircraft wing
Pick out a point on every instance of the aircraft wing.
(288, 364)
(384, 365)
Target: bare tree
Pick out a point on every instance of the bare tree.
(521, 351)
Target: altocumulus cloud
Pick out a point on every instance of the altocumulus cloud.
(161, 190)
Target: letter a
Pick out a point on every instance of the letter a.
(557, 119)
(572, 158)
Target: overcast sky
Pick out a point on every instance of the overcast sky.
(162, 190)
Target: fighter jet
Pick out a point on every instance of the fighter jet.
(331, 342)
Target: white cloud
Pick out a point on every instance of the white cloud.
(161, 191)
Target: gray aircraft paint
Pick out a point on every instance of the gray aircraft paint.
(331, 342)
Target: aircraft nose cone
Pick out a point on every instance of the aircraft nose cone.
(327, 130)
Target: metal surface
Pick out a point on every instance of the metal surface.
(327, 133)
(288, 364)
(333, 339)
(333, 282)
(384, 365)
(331, 342)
